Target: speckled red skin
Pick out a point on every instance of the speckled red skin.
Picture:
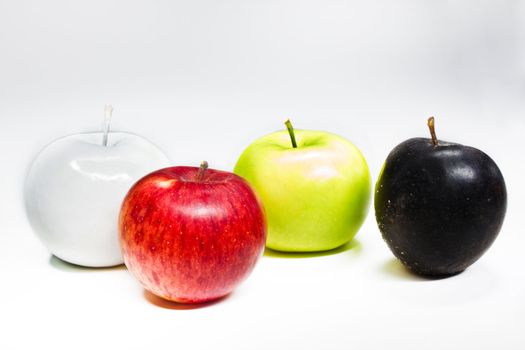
(191, 241)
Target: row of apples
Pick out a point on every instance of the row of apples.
(192, 234)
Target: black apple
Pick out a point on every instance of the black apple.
(439, 205)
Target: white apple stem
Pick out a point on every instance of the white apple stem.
(108, 110)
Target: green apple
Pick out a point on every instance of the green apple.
(314, 185)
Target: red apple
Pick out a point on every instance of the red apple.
(191, 234)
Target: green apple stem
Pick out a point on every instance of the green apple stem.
(202, 169)
(432, 129)
(108, 110)
(289, 126)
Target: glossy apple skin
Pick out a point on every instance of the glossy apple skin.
(439, 208)
(190, 240)
(316, 196)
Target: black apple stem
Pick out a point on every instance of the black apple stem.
(108, 110)
(432, 129)
(202, 170)
(289, 126)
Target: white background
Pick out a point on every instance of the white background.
(202, 79)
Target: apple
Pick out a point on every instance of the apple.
(315, 187)
(191, 234)
(74, 189)
(439, 205)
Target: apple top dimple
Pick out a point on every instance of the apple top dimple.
(446, 160)
(188, 174)
(305, 139)
(96, 138)
(82, 156)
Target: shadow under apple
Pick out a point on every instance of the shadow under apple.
(65, 266)
(395, 268)
(354, 246)
(172, 305)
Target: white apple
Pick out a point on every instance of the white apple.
(74, 190)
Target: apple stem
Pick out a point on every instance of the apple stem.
(202, 169)
(432, 129)
(289, 126)
(108, 110)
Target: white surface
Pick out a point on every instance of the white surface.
(202, 79)
(74, 189)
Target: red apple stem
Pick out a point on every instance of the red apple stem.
(432, 129)
(202, 169)
(108, 111)
(289, 126)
